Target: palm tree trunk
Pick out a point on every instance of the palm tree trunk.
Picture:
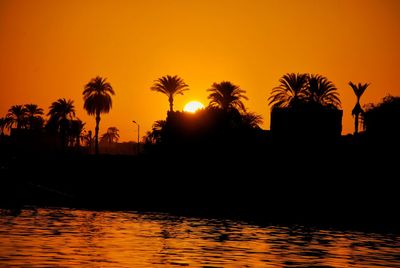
(171, 104)
(96, 134)
(356, 125)
(78, 141)
(63, 133)
(356, 118)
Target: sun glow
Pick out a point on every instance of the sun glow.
(193, 106)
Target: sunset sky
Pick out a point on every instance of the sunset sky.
(51, 49)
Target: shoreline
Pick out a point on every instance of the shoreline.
(192, 186)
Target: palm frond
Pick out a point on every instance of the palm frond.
(226, 95)
(322, 91)
(170, 86)
(252, 119)
(290, 90)
(97, 96)
(359, 89)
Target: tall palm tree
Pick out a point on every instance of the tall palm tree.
(170, 86)
(227, 96)
(97, 97)
(111, 135)
(17, 116)
(61, 112)
(357, 110)
(322, 91)
(290, 92)
(34, 115)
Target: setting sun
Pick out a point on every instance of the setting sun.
(193, 106)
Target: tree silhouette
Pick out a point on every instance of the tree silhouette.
(87, 139)
(76, 132)
(227, 96)
(290, 92)
(300, 89)
(252, 120)
(157, 131)
(34, 116)
(61, 112)
(170, 86)
(17, 116)
(357, 110)
(381, 121)
(307, 107)
(97, 97)
(111, 135)
(4, 124)
(322, 91)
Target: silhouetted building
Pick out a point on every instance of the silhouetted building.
(211, 130)
(306, 124)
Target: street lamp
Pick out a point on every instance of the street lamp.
(138, 136)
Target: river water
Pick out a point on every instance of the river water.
(60, 237)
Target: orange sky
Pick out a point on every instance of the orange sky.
(50, 49)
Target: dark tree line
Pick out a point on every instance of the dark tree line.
(303, 107)
(62, 121)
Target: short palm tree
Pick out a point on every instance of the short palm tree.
(111, 135)
(357, 110)
(322, 91)
(252, 120)
(170, 86)
(290, 92)
(87, 139)
(61, 112)
(97, 97)
(4, 124)
(156, 134)
(17, 116)
(227, 96)
(76, 132)
(34, 115)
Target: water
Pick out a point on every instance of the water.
(66, 237)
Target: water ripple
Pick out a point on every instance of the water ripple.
(67, 238)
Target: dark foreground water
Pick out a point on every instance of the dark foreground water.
(66, 237)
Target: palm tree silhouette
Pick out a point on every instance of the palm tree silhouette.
(290, 92)
(252, 120)
(34, 115)
(4, 124)
(87, 139)
(322, 91)
(170, 86)
(76, 132)
(227, 96)
(17, 116)
(155, 135)
(61, 112)
(111, 135)
(357, 110)
(97, 97)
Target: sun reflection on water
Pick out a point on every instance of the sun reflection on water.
(64, 237)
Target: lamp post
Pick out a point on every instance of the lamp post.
(138, 136)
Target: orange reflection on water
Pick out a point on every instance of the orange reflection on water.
(64, 237)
